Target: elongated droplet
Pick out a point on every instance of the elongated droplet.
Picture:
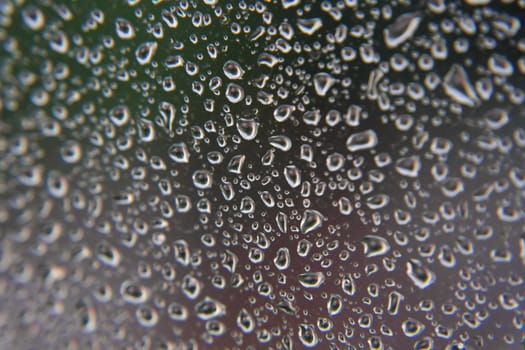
(311, 279)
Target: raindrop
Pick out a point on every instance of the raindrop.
(236, 163)
(145, 52)
(394, 301)
(245, 321)
(247, 128)
(202, 179)
(311, 279)
(375, 245)
(179, 153)
(377, 201)
(421, 276)
(33, 18)
(322, 83)
(303, 248)
(209, 309)
(177, 312)
(412, 328)
(133, 293)
(124, 29)
(335, 162)
(311, 221)
(458, 86)
(309, 26)
(361, 141)
(409, 166)
(292, 175)
(191, 287)
(71, 152)
(402, 29)
(334, 305)
(282, 259)
(308, 336)
(348, 285)
(283, 112)
(234, 93)
(281, 142)
(233, 70)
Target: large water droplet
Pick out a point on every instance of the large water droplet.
(375, 245)
(311, 221)
(292, 175)
(419, 274)
(322, 83)
(458, 86)
(247, 128)
(361, 141)
(402, 29)
(311, 279)
(145, 51)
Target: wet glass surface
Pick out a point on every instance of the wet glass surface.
(262, 175)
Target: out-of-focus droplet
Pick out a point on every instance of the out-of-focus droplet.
(402, 29)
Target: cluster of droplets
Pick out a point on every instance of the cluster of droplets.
(336, 175)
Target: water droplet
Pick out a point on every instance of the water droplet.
(303, 247)
(57, 184)
(419, 274)
(209, 309)
(409, 166)
(202, 179)
(124, 29)
(245, 321)
(311, 221)
(375, 245)
(283, 112)
(177, 312)
(71, 152)
(334, 305)
(335, 162)
(236, 163)
(282, 259)
(348, 285)
(233, 70)
(179, 153)
(191, 287)
(281, 142)
(458, 86)
(234, 93)
(247, 128)
(133, 293)
(394, 301)
(145, 51)
(308, 336)
(309, 26)
(402, 29)
(292, 175)
(412, 328)
(322, 83)
(377, 201)
(181, 252)
(311, 279)
(108, 254)
(361, 141)
(147, 316)
(33, 17)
